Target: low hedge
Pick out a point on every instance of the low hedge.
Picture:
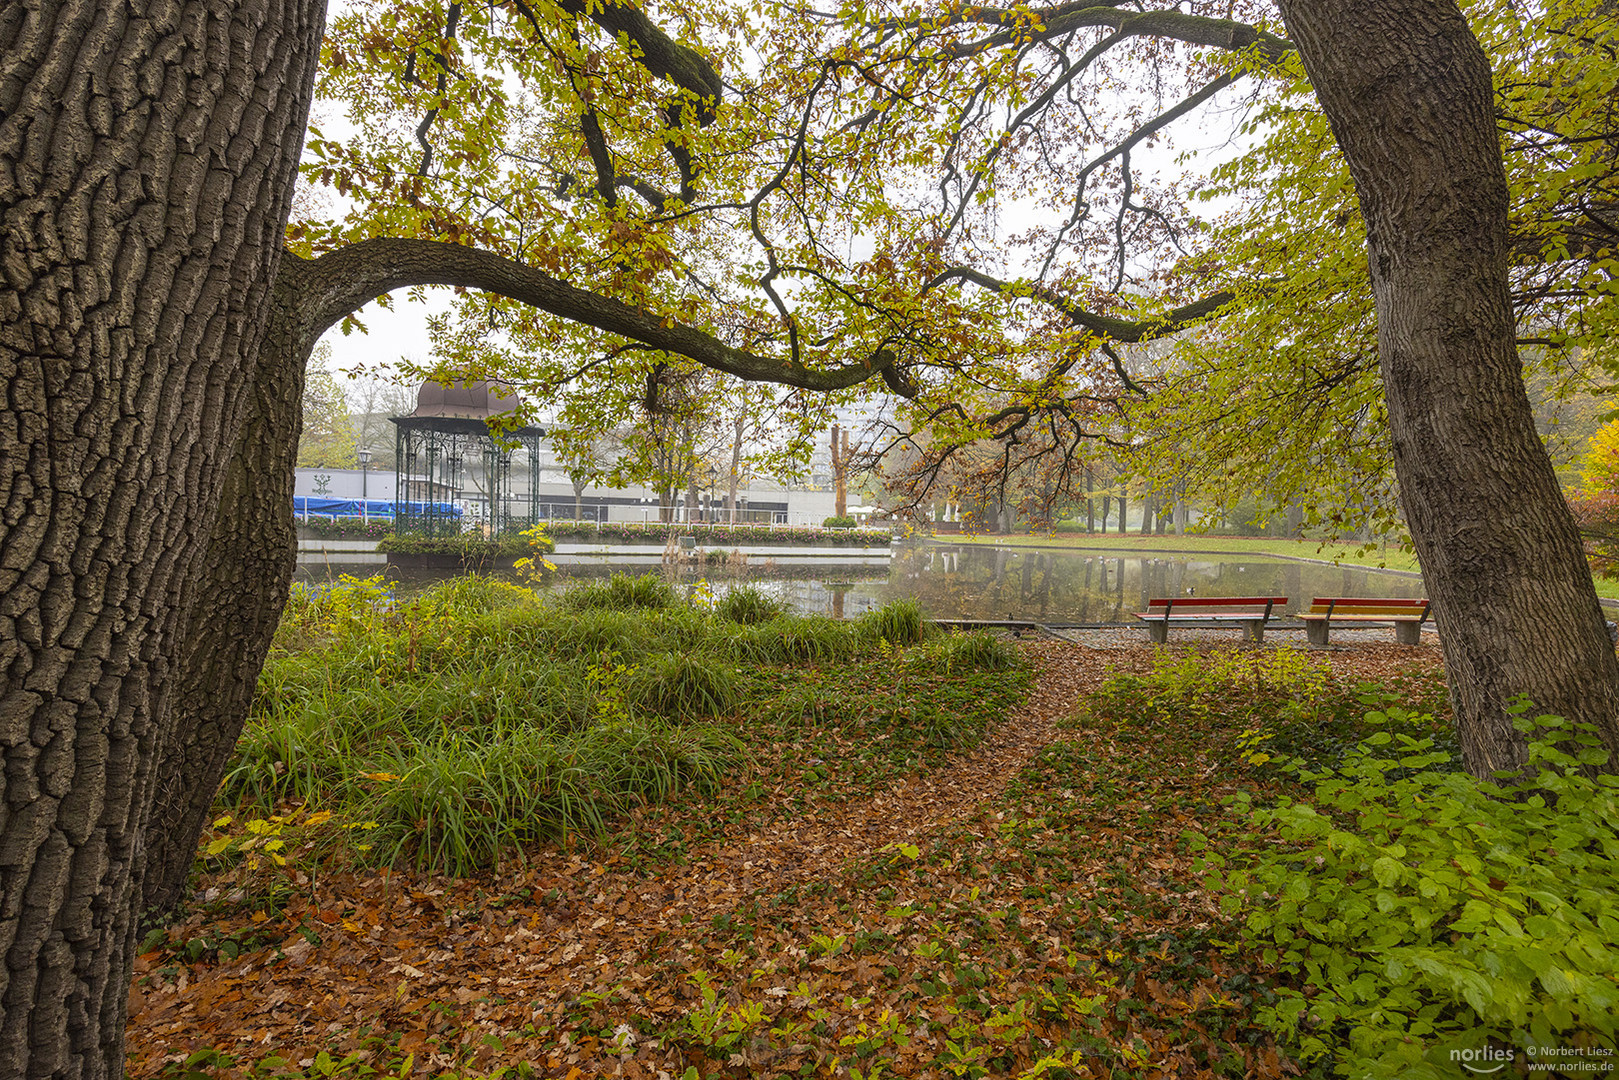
(345, 528)
(471, 550)
(718, 534)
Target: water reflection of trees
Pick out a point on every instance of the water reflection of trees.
(995, 583)
(1014, 583)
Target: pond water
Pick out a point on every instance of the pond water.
(969, 581)
(1066, 586)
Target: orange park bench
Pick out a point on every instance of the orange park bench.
(1406, 615)
(1249, 612)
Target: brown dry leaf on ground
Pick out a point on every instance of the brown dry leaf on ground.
(907, 926)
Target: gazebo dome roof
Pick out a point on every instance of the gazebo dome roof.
(474, 401)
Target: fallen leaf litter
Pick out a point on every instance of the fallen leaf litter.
(578, 965)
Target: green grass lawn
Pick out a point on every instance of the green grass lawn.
(1374, 556)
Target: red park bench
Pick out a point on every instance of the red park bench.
(1407, 616)
(1249, 612)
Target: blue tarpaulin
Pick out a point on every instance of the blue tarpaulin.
(370, 508)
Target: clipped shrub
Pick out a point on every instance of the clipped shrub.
(677, 685)
(471, 549)
(747, 605)
(1428, 915)
(898, 622)
(622, 593)
(347, 528)
(718, 534)
(844, 522)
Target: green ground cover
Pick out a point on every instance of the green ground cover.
(1218, 862)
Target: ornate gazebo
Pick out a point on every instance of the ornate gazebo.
(453, 474)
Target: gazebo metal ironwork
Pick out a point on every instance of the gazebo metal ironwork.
(448, 462)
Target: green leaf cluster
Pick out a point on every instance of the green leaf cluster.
(1423, 912)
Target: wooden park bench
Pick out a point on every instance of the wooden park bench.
(1249, 612)
(1407, 616)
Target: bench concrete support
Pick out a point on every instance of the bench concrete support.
(1406, 631)
(1158, 629)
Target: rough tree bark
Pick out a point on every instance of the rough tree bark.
(244, 581)
(147, 154)
(1407, 89)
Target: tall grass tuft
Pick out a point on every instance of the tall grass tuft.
(622, 593)
(899, 622)
(455, 804)
(597, 632)
(679, 685)
(749, 606)
(811, 639)
(977, 651)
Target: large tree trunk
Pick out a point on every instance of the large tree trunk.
(244, 581)
(146, 166)
(1408, 91)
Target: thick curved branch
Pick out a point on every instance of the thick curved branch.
(1062, 19)
(660, 54)
(340, 282)
(600, 157)
(1128, 331)
(664, 58)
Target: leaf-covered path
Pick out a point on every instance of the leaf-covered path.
(803, 936)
